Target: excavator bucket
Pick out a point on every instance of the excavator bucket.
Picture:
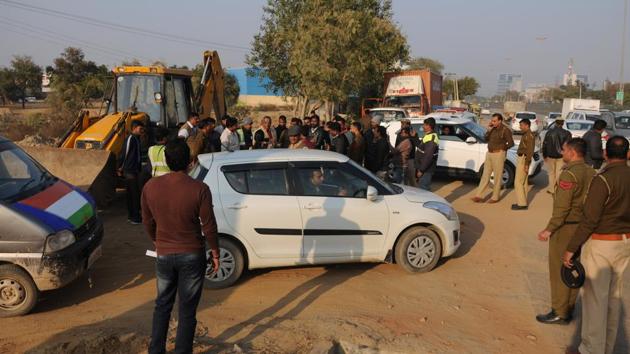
(94, 171)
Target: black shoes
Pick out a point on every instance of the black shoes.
(518, 207)
(552, 318)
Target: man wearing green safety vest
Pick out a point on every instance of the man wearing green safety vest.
(427, 154)
(156, 154)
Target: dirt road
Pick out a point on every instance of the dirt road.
(482, 300)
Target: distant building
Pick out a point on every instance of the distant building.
(571, 78)
(536, 93)
(46, 83)
(509, 82)
(253, 90)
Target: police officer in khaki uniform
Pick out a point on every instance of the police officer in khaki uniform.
(525, 154)
(605, 232)
(567, 213)
(499, 139)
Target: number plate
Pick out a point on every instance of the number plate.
(96, 254)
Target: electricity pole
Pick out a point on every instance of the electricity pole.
(623, 52)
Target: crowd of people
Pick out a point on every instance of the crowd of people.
(590, 205)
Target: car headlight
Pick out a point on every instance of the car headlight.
(442, 208)
(60, 240)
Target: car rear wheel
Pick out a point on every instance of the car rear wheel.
(418, 250)
(232, 262)
(508, 176)
(18, 293)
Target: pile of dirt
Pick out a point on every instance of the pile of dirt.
(38, 140)
(97, 343)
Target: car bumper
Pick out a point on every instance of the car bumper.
(451, 236)
(60, 268)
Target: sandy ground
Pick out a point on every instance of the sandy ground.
(481, 300)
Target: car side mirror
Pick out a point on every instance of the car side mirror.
(371, 194)
(471, 140)
(158, 97)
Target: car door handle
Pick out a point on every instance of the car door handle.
(312, 207)
(237, 206)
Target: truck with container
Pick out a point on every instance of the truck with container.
(418, 91)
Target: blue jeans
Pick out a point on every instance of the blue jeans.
(425, 181)
(181, 274)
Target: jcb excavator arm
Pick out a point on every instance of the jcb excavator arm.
(211, 92)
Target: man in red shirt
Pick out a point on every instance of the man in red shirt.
(177, 214)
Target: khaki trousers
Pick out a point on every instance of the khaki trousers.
(562, 297)
(554, 167)
(410, 174)
(604, 262)
(494, 164)
(521, 181)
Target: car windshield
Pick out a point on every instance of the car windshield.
(622, 122)
(529, 116)
(476, 129)
(138, 90)
(579, 125)
(388, 115)
(554, 115)
(18, 172)
(402, 101)
(593, 117)
(389, 186)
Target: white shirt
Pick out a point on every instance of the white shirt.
(183, 132)
(229, 141)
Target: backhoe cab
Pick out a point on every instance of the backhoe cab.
(157, 96)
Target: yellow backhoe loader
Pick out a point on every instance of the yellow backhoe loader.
(157, 96)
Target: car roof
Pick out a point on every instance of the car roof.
(270, 155)
(525, 112)
(438, 120)
(387, 109)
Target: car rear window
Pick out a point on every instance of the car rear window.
(259, 181)
(525, 116)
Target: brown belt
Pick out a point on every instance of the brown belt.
(609, 237)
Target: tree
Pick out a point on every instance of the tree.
(326, 49)
(467, 86)
(26, 76)
(425, 63)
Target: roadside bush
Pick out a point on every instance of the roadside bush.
(240, 110)
(266, 107)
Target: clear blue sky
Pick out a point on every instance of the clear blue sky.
(480, 38)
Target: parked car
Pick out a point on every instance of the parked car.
(584, 115)
(485, 111)
(388, 114)
(50, 233)
(522, 115)
(618, 124)
(551, 117)
(463, 149)
(454, 115)
(278, 208)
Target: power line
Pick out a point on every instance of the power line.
(119, 27)
(47, 32)
(48, 40)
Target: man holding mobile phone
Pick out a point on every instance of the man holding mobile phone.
(177, 213)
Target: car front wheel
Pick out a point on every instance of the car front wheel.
(418, 250)
(18, 293)
(232, 262)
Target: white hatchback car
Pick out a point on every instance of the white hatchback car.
(463, 149)
(523, 115)
(278, 207)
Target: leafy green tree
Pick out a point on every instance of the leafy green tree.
(26, 78)
(326, 49)
(467, 86)
(425, 63)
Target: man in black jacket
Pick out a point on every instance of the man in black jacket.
(552, 152)
(377, 151)
(316, 133)
(338, 141)
(594, 151)
(427, 155)
(129, 167)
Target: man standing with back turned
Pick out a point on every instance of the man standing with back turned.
(552, 152)
(499, 139)
(567, 213)
(605, 227)
(175, 211)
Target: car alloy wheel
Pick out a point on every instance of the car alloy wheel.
(226, 266)
(421, 251)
